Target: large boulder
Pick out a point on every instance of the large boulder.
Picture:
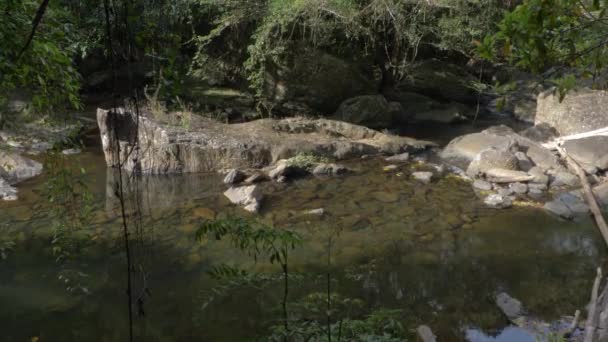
(369, 110)
(411, 104)
(580, 111)
(590, 152)
(15, 168)
(318, 79)
(441, 80)
(462, 150)
(207, 145)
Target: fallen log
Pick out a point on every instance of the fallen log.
(592, 318)
(554, 144)
(588, 193)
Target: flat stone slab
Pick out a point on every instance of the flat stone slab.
(208, 145)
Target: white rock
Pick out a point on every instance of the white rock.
(423, 176)
(497, 201)
(247, 196)
(71, 151)
(399, 158)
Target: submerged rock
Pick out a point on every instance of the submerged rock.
(211, 146)
(570, 205)
(247, 196)
(510, 307)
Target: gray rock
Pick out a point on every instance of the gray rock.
(399, 158)
(249, 197)
(423, 176)
(7, 192)
(538, 186)
(524, 163)
(536, 194)
(542, 132)
(234, 176)
(425, 334)
(211, 146)
(505, 192)
(368, 110)
(580, 111)
(71, 151)
(518, 188)
(480, 184)
(497, 201)
(539, 176)
(329, 170)
(510, 307)
(462, 150)
(41, 147)
(591, 152)
(571, 204)
(562, 179)
(492, 159)
(507, 176)
(15, 168)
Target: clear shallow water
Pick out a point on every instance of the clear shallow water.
(432, 251)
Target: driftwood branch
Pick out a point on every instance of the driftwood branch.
(588, 193)
(591, 324)
(553, 145)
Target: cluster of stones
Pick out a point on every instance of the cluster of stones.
(244, 190)
(505, 166)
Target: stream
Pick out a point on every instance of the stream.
(432, 251)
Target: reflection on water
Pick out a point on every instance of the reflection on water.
(432, 251)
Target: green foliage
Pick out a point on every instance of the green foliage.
(71, 206)
(557, 37)
(253, 238)
(381, 325)
(45, 70)
(264, 34)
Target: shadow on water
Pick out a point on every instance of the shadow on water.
(432, 251)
